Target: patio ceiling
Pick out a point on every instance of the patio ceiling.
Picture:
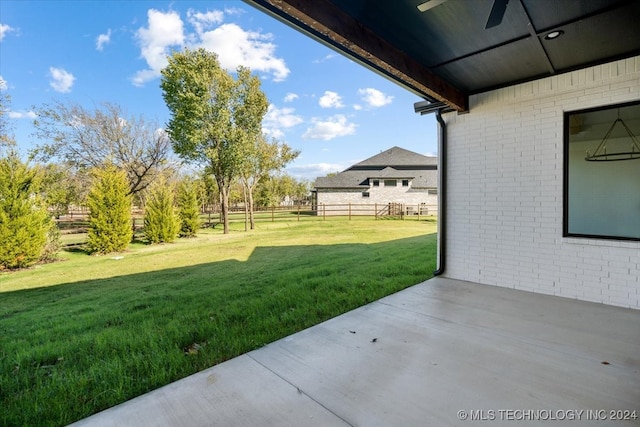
(446, 52)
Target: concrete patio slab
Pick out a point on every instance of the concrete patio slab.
(443, 353)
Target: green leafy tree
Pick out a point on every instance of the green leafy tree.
(188, 208)
(109, 203)
(7, 142)
(208, 191)
(161, 221)
(214, 116)
(263, 158)
(276, 188)
(62, 186)
(27, 232)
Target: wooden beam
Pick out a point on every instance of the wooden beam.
(324, 20)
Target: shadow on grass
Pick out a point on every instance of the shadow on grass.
(71, 350)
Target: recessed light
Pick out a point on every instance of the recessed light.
(553, 35)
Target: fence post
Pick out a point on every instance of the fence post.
(273, 211)
(324, 211)
(375, 212)
(349, 211)
(298, 213)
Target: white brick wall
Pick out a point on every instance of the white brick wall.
(381, 196)
(504, 217)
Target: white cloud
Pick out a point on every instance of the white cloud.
(234, 11)
(330, 100)
(233, 45)
(314, 170)
(3, 84)
(252, 49)
(103, 39)
(204, 20)
(290, 97)
(357, 107)
(164, 31)
(278, 119)
(22, 115)
(4, 30)
(326, 58)
(273, 132)
(61, 80)
(374, 98)
(331, 128)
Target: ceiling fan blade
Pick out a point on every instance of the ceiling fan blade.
(429, 4)
(497, 13)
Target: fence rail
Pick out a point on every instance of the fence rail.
(76, 221)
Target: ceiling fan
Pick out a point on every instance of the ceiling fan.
(495, 17)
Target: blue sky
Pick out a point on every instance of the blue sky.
(335, 111)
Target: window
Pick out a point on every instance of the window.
(390, 183)
(405, 182)
(602, 172)
(376, 182)
(432, 191)
(365, 194)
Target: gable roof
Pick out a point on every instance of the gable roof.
(394, 163)
(397, 156)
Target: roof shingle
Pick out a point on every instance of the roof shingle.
(394, 163)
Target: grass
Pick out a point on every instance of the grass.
(87, 333)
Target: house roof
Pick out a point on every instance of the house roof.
(445, 50)
(394, 163)
(397, 156)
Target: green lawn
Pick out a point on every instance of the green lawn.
(86, 333)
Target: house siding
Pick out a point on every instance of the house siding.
(505, 191)
(380, 196)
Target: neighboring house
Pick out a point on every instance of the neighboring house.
(521, 90)
(393, 177)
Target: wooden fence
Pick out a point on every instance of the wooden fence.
(76, 221)
(326, 211)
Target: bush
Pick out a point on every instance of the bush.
(26, 228)
(161, 221)
(110, 222)
(188, 209)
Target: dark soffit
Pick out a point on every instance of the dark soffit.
(445, 54)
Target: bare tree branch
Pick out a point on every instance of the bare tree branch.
(88, 139)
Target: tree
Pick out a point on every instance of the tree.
(161, 221)
(27, 232)
(297, 191)
(62, 186)
(264, 158)
(188, 208)
(214, 116)
(7, 143)
(276, 188)
(109, 202)
(92, 139)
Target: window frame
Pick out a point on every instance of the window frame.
(566, 174)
